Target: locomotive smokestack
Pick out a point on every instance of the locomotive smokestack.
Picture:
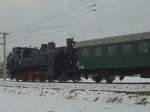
(70, 42)
(51, 45)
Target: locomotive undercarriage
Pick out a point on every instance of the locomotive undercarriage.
(39, 74)
(32, 75)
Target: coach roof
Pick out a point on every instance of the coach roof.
(114, 39)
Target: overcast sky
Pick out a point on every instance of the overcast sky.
(112, 17)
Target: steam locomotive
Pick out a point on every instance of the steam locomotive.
(104, 58)
(47, 63)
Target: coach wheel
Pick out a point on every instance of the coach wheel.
(97, 79)
(121, 77)
(75, 81)
(51, 81)
(110, 79)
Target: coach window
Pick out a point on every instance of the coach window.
(127, 49)
(111, 50)
(143, 48)
(85, 53)
(98, 51)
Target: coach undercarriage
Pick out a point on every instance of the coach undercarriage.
(110, 74)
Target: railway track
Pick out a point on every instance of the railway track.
(102, 83)
(128, 88)
(82, 82)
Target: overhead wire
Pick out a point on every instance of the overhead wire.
(56, 26)
(64, 17)
(43, 28)
(27, 37)
(77, 9)
(33, 21)
(60, 14)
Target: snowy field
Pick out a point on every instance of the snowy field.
(54, 97)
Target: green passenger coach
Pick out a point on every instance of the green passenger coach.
(119, 55)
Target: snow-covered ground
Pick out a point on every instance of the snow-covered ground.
(45, 97)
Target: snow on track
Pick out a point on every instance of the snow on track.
(81, 86)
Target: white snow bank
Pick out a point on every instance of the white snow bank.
(81, 94)
(44, 99)
(25, 103)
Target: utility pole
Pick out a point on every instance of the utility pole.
(4, 52)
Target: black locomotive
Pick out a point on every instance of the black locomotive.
(47, 63)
